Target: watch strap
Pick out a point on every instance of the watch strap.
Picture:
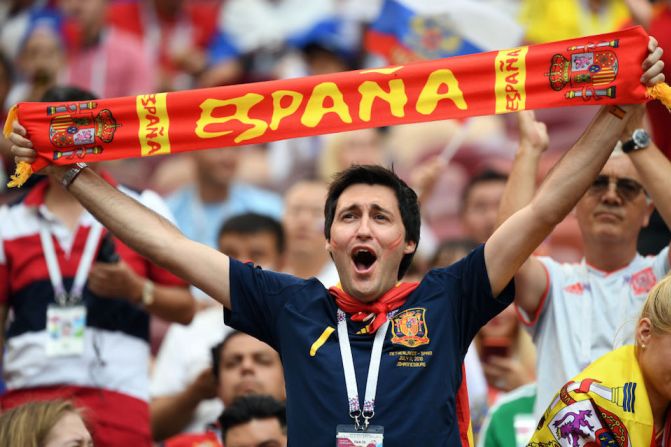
(72, 174)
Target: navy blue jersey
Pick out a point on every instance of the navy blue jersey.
(420, 370)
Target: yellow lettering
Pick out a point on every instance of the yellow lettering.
(243, 105)
(509, 87)
(429, 97)
(315, 109)
(279, 112)
(395, 97)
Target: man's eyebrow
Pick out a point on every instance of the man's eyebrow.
(351, 207)
(377, 207)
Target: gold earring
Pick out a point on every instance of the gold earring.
(642, 346)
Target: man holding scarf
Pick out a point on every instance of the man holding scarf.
(402, 344)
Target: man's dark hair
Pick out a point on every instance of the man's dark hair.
(247, 408)
(65, 93)
(486, 176)
(218, 349)
(252, 223)
(377, 175)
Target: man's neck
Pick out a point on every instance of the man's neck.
(212, 193)
(63, 204)
(608, 255)
(305, 265)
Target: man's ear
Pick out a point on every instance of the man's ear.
(650, 207)
(410, 247)
(329, 249)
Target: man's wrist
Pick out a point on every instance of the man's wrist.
(71, 174)
(529, 150)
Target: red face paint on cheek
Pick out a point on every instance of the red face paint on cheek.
(394, 244)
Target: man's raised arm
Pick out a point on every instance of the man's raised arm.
(140, 228)
(530, 279)
(516, 239)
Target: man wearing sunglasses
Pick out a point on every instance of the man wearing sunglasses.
(578, 312)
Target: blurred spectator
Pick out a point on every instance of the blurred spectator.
(303, 221)
(242, 366)
(254, 421)
(105, 60)
(510, 422)
(15, 16)
(566, 19)
(183, 397)
(80, 307)
(593, 298)
(254, 238)
(214, 196)
(176, 36)
(506, 352)
(55, 423)
(480, 204)
(344, 149)
(40, 61)
(256, 33)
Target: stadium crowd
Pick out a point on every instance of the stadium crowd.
(101, 346)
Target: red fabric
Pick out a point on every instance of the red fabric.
(393, 299)
(114, 419)
(208, 439)
(463, 410)
(604, 69)
(660, 119)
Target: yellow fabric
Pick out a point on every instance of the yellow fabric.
(662, 93)
(548, 20)
(578, 418)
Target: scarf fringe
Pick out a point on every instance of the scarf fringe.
(11, 117)
(21, 175)
(660, 92)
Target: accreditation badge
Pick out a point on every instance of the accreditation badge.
(349, 436)
(65, 330)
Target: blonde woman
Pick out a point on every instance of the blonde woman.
(54, 423)
(623, 398)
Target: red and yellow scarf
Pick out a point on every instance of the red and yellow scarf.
(602, 69)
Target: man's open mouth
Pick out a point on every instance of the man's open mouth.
(363, 259)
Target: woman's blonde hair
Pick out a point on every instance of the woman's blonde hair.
(29, 424)
(657, 307)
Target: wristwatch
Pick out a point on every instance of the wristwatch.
(639, 140)
(72, 174)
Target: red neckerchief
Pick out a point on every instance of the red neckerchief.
(392, 299)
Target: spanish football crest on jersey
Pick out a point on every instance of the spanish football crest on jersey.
(408, 328)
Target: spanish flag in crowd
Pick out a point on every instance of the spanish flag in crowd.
(602, 69)
(605, 405)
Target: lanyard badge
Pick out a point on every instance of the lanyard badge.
(361, 433)
(66, 320)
